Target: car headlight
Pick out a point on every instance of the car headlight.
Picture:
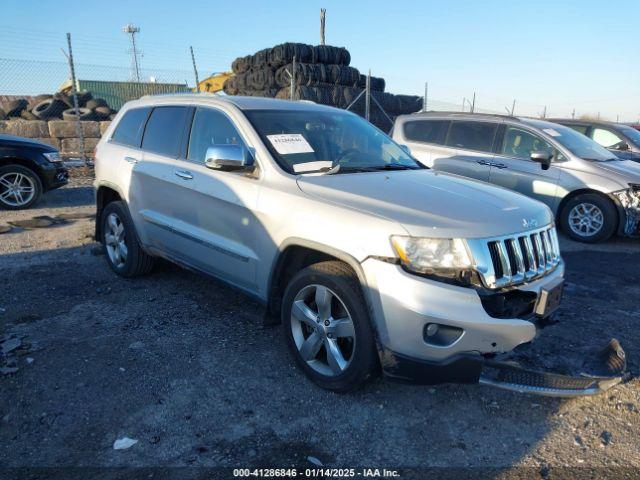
(53, 157)
(432, 255)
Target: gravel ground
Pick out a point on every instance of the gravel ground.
(184, 366)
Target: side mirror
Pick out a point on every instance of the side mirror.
(227, 158)
(543, 158)
(622, 146)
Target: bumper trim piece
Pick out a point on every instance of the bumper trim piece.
(517, 379)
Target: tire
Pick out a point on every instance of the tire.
(136, 261)
(13, 107)
(83, 98)
(70, 114)
(101, 113)
(39, 98)
(95, 103)
(359, 361)
(27, 115)
(589, 207)
(64, 98)
(27, 178)
(51, 108)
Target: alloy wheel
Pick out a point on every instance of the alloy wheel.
(586, 219)
(114, 239)
(16, 189)
(323, 330)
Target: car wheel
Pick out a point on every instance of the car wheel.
(589, 218)
(326, 325)
(120, 242)
(20, 187)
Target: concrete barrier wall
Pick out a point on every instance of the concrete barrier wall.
(60, 134)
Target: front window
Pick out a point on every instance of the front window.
(606, 138)
(340, 142)
(632, 135)
(581, 146)
(519, 143)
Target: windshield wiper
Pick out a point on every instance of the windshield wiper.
(372, 168)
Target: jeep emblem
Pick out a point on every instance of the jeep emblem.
(532, 223)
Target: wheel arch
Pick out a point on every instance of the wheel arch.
(294, 254)
(105, 194)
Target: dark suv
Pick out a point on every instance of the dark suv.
(27, 169)
(622, 140)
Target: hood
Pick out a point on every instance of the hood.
(623, 171)
(13, 141)
(428, 203)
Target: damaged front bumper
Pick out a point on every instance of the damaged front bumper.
(629, 202)
(606, 369)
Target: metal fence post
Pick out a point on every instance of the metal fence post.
(195, 70)
(293, 78)
(74, 94)
(367, 98)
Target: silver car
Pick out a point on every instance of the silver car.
(592, 193)
(368, 259)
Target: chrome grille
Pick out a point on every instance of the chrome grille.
(515, 259)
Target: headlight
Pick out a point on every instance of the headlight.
(431, 255)
(53, 156)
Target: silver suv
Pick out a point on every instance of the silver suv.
(367, 258)
(592, 193)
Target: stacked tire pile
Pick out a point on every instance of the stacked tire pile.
(322, 75)
(57, 106)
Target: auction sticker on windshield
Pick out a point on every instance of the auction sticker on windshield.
(290, 143)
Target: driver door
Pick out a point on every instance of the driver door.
(513, 168)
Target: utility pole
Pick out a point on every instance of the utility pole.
(573, 113)
(426, 95)
(598, 115)
(473, 103)
(131, 29)
(323, 14)
(74, 95)
(367, 104)
(544, 112)
(195, 70)
(513, 107)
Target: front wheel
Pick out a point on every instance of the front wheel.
(20, 187)
(589, 218)
(326, 325)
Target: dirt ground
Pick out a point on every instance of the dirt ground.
(183, 365)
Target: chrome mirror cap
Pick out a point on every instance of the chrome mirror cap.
(227, 157)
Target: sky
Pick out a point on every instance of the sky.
(562, 55)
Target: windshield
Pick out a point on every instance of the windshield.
(578, 144)
(333, 142)
(631, 133)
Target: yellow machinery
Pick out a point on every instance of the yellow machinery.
(214, 82)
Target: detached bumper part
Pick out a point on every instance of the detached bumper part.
(630, 202)
(609, 366)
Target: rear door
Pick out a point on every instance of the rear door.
(472, 142)
(513, 168)
(425, 138)
(156, 191)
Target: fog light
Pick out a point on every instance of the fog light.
(432, 329)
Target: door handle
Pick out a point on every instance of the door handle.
(184, 174)
(483, 162)
(499, 165)
(131, 160)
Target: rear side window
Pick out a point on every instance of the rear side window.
(129, 129)
(472, 135)
(165, 127)
(429, 131)
(578, 128)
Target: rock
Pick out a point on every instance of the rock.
(10, 345)
(606, 437)
(70, 146)
(25, 128)
(67, 129)
(103, 126)
(124, 443)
